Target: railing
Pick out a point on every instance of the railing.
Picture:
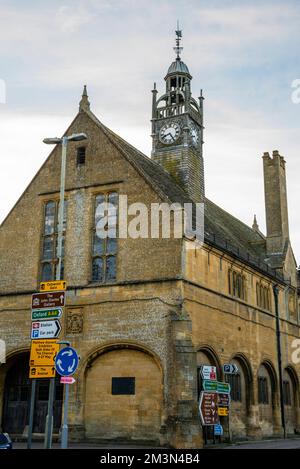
(246, 256)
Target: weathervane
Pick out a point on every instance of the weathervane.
(178, 49)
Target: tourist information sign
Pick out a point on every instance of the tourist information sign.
(208, 407)
(48, 300)
(55, 285)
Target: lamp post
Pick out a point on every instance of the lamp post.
(279, 361)
(54, 141)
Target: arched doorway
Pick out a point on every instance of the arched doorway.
(17, 399)
(266, 394)
(123, 395)
(290, 398)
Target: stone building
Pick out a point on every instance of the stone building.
(145, 314)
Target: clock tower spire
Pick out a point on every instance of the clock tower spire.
(177, 127)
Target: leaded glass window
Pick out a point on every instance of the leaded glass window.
(49, 241)
(104, 244)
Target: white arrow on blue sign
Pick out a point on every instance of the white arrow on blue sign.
(230, 368)
(66, 361)
(218, 430)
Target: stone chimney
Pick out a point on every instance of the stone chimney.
(275, 202)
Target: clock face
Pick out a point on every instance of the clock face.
(169, 133)
(194, 135)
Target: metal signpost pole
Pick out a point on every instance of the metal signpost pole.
(31, 414)
(49, 419)
(64, 432)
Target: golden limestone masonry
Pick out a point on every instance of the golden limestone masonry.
(146, 313)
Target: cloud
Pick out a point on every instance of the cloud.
(244, 55)
(71, 18)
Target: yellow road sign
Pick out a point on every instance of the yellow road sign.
(223, 411)
(55, 285)
(43, 352)
(42, 372)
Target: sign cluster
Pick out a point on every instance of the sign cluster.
(215, 396)
(46, 311)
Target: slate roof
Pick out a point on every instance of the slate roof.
(221, 228)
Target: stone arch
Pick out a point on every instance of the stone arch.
(241, 395)
(244, 364)
(114, 345)
(267, 396)
(123, 392)
(291, 398)
(211, 356)
(11, 359)
(206, 355)
(15, 387)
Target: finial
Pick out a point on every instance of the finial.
(255, 226)
(84, 102)
(177, 48)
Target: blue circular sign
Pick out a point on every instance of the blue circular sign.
(66, 361)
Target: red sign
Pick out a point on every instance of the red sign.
(208, 407)
(48, 300)
(67, 380)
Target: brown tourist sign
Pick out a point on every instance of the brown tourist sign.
(208, 408)
(48, 300)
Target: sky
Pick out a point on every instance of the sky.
(244, 55)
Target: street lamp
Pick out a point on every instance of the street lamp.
(64, 141)
(54, 141)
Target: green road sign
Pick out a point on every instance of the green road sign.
(223, 387)
(51, 313)
(216, 386)
(209, 385)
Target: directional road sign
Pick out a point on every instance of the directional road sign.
(218, 386)
(223, 411)
(209, 385)
(42, 372)
(48, 300)
(43, 352)
(67, 380)
(54, 285)
(223, 387)
(45, 329)
(50, 313)
(209, 372)
(230, 368)
(208, 407)
(223, 399)
(218, 430)
(66, 361)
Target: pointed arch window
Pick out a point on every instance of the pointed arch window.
(237, 286)
(49, 240)
(104, 248)
(263, 296)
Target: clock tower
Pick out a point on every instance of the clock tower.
(177, 128)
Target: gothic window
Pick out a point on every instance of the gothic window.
(263, 296)
(235, 386)
(292, 306)
(49, 240)
(263, 393)
(104, 250)
(80, 160)
(287, 393)
(237, 285)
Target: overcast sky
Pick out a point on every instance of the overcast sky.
(244, 54)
